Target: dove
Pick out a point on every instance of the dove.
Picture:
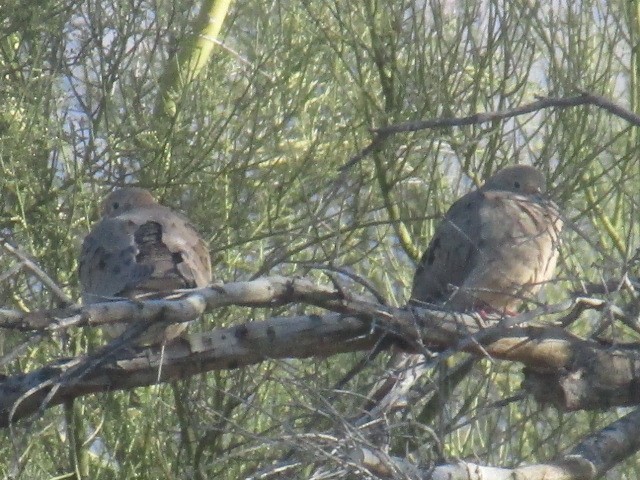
(495, 247)
(141, 249)
(493, 250)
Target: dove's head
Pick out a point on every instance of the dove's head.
(517, 178)
(124, 199)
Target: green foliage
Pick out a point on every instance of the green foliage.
(252, 155)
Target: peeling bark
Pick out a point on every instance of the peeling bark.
(562, 369)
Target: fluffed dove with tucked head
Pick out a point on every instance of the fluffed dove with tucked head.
(140, 249)
(495, 247)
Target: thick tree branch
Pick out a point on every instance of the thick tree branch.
(609, 373)
(223, 348)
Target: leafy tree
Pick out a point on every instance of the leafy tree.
(248, 129)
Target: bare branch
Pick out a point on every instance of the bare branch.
(30, 265)
(223, 348)
(585, 98)
(590, 459)
(611, 445)
(386, 466)
(605, 373)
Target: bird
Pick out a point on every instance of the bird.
(141, 249)
(495, 247)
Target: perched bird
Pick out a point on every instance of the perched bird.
(141, 249)
(493, 250)
(495, 247)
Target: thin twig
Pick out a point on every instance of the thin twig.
(359, 279)
(37, 271)
(584, 98)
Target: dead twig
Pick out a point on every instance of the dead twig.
(584, 98)
(40, 274)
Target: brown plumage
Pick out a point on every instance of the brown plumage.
(495, 247)
(140, 249)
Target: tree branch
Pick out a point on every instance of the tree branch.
(222, 348)
(584, 98)
(607, 375)
(589, 459)
(30, 265)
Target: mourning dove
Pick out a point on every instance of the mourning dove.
(495, 247)
(141, 248)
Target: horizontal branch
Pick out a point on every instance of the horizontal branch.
(222, 348)
(186, 305)
(356, 324)
(388, 467)
(381, 134)
(591, 458)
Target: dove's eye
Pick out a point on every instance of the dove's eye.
(116, 205)
(516, 185)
